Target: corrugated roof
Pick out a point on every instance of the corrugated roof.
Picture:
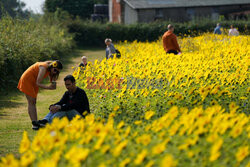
(141, 4)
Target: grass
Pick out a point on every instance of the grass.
(14, 118)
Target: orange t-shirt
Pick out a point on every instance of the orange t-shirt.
(169, 40)
(27, 83)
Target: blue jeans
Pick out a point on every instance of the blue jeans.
(70, 114)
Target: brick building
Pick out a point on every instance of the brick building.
(132, 11)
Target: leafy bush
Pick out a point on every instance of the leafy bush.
(23, 42)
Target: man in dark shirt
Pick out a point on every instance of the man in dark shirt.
(74, 102)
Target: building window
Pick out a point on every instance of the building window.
(215, 13)
(191, 13)
(158, 12)
(215, 10)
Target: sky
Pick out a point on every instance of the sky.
(35, 5)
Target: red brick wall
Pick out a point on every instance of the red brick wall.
(116, 11)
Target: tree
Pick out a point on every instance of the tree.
(13, 8)
(82, 8)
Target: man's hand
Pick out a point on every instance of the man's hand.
(55, 108)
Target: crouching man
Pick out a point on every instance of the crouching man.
(74, 102)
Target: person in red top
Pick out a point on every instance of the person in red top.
(169, 40)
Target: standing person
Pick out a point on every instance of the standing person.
(169, 40)
(110, 50)
(74, 102)
(84, 62)
(217, 29)
(233, 31)
(31, 81)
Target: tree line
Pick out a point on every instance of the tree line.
(13, 8)
(81, 8)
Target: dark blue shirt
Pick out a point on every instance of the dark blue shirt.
(217, 30)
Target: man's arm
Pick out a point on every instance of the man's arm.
(164, 42)
(57, 106)
(176, 45)
(215, 31)
(112, 48)
(69, 106)
(63, 99)
(86, 103)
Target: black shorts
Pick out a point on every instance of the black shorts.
(173, 51)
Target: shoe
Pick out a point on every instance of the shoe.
(35, 125)
(42, 123)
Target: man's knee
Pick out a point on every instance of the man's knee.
(59, 114)
(72, 113)
(69, 114)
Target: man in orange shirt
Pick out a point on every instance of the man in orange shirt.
(169, 40)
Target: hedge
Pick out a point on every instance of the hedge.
(93, 33)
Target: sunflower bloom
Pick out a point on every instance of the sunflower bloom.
(140, 157)
(25, 143)
(168, 161)
(242, 153)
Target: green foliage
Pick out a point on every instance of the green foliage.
(23, 42)
(82, 8)
(60, 17)
(13, 8)
(94, 33)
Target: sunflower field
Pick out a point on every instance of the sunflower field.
(153, 109)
